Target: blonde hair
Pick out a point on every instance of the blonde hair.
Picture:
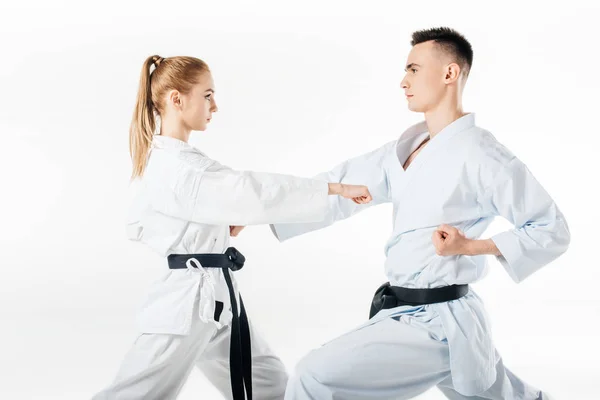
(173, 73)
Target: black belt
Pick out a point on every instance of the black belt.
(388, 296)
(240, 354)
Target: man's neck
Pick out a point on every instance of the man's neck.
(442, 116)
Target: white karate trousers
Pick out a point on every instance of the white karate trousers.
(158, 365)
(390, 360)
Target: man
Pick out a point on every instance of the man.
(428, 327)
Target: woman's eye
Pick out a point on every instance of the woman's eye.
(207, 97)
(413, 70)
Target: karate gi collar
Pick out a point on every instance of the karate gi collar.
(465, 122)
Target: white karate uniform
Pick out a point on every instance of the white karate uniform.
(464, 178)
(185, 206)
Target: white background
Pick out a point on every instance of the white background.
(300, 88)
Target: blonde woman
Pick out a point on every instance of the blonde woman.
(187, 207)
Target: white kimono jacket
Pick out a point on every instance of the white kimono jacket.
(464, 178)
(185, 205)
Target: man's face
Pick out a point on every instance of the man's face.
(425, 80)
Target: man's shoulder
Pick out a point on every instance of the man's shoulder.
(485, 148)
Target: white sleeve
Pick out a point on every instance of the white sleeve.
(368, 169)
(540, 233)
(223, 196)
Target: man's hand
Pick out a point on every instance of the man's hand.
(235, 230)
(449, 241)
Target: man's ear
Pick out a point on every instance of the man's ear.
(452, 72)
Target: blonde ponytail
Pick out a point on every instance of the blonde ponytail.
(173, 73)
(143, 122)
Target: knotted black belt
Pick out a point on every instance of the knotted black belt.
(240, 354)
(388, 296)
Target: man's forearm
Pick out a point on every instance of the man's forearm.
(480, 247)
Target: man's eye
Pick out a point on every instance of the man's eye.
(413, 70)
(207, 97)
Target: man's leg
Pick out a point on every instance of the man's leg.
(506, 386)
(389, 359)
(269, 376)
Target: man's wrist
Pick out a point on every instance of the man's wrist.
(474, 247)
(470, 247)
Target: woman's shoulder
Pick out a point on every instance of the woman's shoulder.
(179, 161)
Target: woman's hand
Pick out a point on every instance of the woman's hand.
(235, 230)
(357, 193)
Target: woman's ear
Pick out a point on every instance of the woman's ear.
(175, 98)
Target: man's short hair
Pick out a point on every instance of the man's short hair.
(449, 41)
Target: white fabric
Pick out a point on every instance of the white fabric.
(157, 365)
(465, 178)
(392, 359)
(185, 205)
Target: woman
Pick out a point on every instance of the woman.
(186, 207)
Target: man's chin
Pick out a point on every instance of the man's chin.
(415, 108)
